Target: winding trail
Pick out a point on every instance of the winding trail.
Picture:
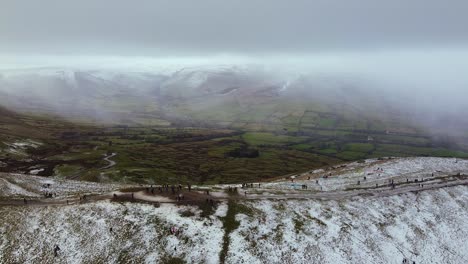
(139, 195)
(111, 162)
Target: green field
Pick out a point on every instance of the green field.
(161, 151)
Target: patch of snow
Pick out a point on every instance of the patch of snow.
(36, 171)
(222, 209)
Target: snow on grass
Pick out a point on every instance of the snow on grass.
(426, 227)
(35, 186)
(140, 234)
(9, 189)
(36, 171)
(222, 209)
(429, 227)
(20, 147)
(376, 172)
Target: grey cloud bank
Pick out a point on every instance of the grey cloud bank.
(414, 50)
(144, 27)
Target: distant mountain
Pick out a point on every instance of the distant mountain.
(231, 96)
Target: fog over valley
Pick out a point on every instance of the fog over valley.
(426, 86)
(411, 57)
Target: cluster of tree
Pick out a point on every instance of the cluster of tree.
(243, 152)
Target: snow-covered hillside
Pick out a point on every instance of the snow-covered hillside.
(423, 221)
(427, 227)
(107, 233)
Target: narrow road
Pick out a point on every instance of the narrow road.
(111, 162)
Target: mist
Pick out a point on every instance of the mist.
(410, 56)
(433, 79)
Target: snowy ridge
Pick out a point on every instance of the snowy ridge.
(330, 222)
(375, 172)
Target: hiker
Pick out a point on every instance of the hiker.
(358, 182)
(189, 187)
(25, 201)
(56, 250)
(133, 197)
(67, 202)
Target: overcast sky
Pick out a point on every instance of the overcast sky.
(199, 27)
(417, 49)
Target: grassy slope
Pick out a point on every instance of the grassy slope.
(164, 154)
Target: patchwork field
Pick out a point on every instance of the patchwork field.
(259, 142)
